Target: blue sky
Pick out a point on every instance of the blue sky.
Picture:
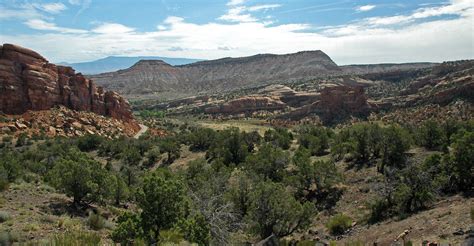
(365, 31)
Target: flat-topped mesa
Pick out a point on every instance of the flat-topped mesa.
(158, 79)
(29, 82)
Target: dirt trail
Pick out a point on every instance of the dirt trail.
(143, 129)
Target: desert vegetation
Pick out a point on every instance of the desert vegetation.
(244, 187)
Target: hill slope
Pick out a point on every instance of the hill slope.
(150, 77)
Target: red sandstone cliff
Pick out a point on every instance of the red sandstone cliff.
(29, 82)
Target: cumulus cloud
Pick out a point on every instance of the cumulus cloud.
(42, 25)
(237, 14)
(367, 41)
(112, 28)
(365, 8)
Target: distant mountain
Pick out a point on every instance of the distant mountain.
(384, 67)
(114, 63)
(160, 79)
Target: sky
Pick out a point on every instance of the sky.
(350, 32)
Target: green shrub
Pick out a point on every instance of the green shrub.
(379, 210)
(128, 229)
(4, 216)
(170, 237)
(195, 230)
(95, 221)
(163, 202)
(338, 224)
(279, 137)
(76, 238)
(269, 162)
(8, 238)
(274, 210)
(3, 179)
(22, 139)
(89, 142)
(431, 135)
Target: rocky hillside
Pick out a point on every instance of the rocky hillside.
(29, 82)
(157, 78)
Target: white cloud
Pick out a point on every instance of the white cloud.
(235, 2)
(161, 27)
(365, 8)
(236, 14)
(52, 8)
(112, 28)
(457, 7)
(42, 25)
(173, 20)
(366, 41)
(22, 12)
(263, 7)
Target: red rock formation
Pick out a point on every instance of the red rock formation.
(247, 104)
(29, 82)
(335, 103)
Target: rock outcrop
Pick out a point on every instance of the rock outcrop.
(335, 103)
(29, 82)
(331, 104)
(247, 104)
(156, 78)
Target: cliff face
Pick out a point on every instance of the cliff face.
(247, 104)
(29, 82)
(335, 103)
(163, 80)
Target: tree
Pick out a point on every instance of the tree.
(207, 184)
(89, 142)
(414, 190)
(431, 135)
(131, 156)
(195, 229)
(375, 138)
(360, 134)
(120, 191)
(252, 139)
(314, 180)
(279, 137)
(153, 156)
(463, 157)
(342, 144)
(81, 177)
(275, 211)
(172, 148)
(269, 162)
(201, 139)
(229, 147)
(9, 165)
(240, 187)
(128, 229)
(315, 139)
(395, 143)
(163, 202)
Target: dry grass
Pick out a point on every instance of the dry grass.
(243, 125)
